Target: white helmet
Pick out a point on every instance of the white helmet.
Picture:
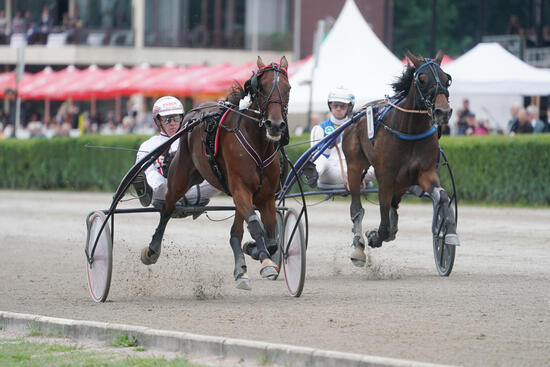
(167, 105)
(341, 94)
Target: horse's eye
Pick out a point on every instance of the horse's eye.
(449, 80)
(422, 79)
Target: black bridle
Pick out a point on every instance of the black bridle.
(423, 98)
(252, 86)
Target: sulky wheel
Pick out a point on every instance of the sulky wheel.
(100, 266)
(294, 254)
(277, 256)
(444, 255)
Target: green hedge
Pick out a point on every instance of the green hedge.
(66, 163)
(498, 169)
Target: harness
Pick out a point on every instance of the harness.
(421, 100)
(215, 122)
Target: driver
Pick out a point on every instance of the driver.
(331, 165)
(151, 184)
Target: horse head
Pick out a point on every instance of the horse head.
(269, 89)
(431, 84)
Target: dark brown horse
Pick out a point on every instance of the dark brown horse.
(404, 153)
(246, 162)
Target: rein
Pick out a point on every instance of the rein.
(406, 110)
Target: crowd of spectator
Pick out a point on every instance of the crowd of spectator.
(69, 120)
(523, 120)
(532, 39)
(37, 29)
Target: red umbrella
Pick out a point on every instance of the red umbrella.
(47, 75)
(7, 82)
(51, 85)
(132, 83)
(103, 88)
(169, 80)
(80, 88)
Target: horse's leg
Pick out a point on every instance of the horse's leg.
(241, 277)
(243, 204)
(429, 182)
(394, 217)
(177, 186)
(267, 211)
(376, 237)
(358, 256)
(151, 253)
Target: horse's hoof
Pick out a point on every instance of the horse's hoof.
(373, 239)
(243, 283)
(269, 270)
(251, 250)
(147, 259)
(358, 256)
(452, 240)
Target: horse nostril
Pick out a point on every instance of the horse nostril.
(268, 123)
(282, 125)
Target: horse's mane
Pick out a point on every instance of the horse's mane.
(237, 93)
(403, 83)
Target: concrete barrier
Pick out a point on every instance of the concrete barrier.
(194, 344)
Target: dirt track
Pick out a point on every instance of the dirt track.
(494, 310)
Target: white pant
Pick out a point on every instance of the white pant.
(205, 189)
(330, 172)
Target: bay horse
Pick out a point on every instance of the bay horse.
(404, 153)
(244, 166)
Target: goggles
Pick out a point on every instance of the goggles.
(168, 119)
(338, 105)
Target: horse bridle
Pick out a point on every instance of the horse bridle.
(251, 86)
(427, 101)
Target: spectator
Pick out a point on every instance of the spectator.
(462, 124)
(523, 126)
(4, 27)
(531, 37)
(548, 117)
(533, 115)
(18, 24)
(45, 24)
(514, 109)
(481, 126)
(514, 27)
(471, 124)
(30, 28)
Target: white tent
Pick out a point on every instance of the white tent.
(351, 56)
(492, 79)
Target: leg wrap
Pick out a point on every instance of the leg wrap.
(240, 264)
(257, 231)
(436, 194)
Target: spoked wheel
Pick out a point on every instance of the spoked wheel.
(294, 254)
(444, 254)
(277, 257)
(100, 268)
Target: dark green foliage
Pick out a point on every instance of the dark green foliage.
(66, 163)
(497, 169)
(460, 24)
(501, 169)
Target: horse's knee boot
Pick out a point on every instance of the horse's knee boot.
(357, 229)
(394, 218)
(240, 264)
(257, 231)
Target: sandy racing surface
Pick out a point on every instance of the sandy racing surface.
(494, 309)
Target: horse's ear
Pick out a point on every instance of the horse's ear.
(415, 60)
(439, 57)
(283, 63)
(260, 63)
